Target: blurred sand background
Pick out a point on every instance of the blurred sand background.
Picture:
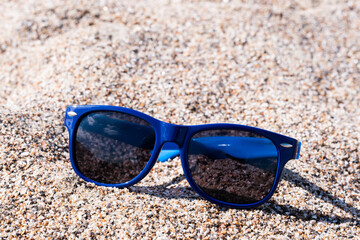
(288, 66)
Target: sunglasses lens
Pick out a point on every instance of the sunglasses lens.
(234, 166)
(113, 147)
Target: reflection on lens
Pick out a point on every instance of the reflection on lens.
(113, 147)
(233, 166)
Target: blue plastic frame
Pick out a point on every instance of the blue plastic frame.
(287, 148)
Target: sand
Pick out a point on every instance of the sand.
(286, 66)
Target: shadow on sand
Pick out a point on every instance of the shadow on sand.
(271, 207)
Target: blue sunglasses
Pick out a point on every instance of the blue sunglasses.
(228, 164)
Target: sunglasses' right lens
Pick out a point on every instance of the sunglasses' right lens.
(113, 147)
(231, 165)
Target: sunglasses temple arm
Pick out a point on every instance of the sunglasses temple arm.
(298, 150)
(220, 147)
(124, 131)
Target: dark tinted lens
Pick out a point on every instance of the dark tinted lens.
(113, 147)
(233, 166)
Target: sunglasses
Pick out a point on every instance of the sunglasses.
(230, 165)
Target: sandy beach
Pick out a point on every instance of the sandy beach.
(291, 67)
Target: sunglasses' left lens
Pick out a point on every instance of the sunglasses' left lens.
(113, 147)
(233, 165)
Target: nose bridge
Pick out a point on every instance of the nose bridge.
(173, 133)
